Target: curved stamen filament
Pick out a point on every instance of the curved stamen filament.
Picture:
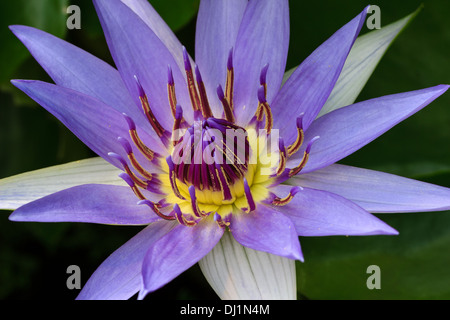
(295, 146)
(146, 151)
(264, 106)
(160, 131)
(224, 186)
(230, 80)
(215, 183)
(262, 80)
(248, 195)
(284, 201)
(181, 217)
(229, 116)
(173, 179)
(222, 221)
(195, 208)
(132, 185)
(204, 104)
(138, 181)
(155, 207)
(297, 169)
(193, 94)
(176, 125)
(127, 147)
(282, 162)
(171, 91)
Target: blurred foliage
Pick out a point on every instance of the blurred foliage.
(47, 15)
(414, 265)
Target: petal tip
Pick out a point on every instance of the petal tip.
(391, 232)
(14, 217)
(14, 27)
(142, 294)
(297, 255)
(22, 83)
(18, 29)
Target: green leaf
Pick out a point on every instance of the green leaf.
(176, 13)
(47, 15)
(413, 265)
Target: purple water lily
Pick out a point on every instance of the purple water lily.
(164, 122)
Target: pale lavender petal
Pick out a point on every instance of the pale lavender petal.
(263, 39)
(348, 129)
(148, 14)
(308, 88)
(176, 252)
(93, 122)
(74, 68)
(91, 203)
(321, 213)
(377, 191)
(267, 230)
(217, 28)
(137, 51)
(119, 276)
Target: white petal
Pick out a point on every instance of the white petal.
(361, 62)
(239, 273)
(18, 190)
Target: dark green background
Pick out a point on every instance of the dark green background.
(414, 265)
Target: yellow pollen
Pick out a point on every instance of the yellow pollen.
(210, 201)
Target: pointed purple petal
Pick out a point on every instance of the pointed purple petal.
(92, 121)
(348, 129)
(267, 230)
(91, 203)
(74, 68)
(308, 88)
(263, 39)
(148, 14)
(119, 276)
(176, 252)
(217, 28)
(137, 51)
(377, 191)
(320, 213)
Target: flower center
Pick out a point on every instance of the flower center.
(215, 168)
(212, 155)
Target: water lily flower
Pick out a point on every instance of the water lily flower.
(222, 160)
